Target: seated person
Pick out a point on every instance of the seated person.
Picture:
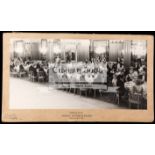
(121, 68)
(110, 65)
(122, 60)
(136, 66)
(120, 84)
(38, 67)
(137, 88)
(16, 68)
(41, 69)
(33, 69)
(78, 74)
(144, 84)
(114, 80)
(118, 65)
(110, 73)
(143, 73)
(27, 62)
(104, 63)
(41, 72)
(129, 76)
(21, 68)
(52, 74)
(114, 67)
(141, 68)
(129, 84)
(104, 76)
(135, 73)
(118, 60)
(12, 66)
(57, 60)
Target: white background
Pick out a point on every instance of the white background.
(79, 15)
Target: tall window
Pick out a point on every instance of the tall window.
(19, 48)
(43, 48)
(139, 50)
(100, 49)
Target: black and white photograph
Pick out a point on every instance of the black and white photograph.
(77, 77)
(78, 74)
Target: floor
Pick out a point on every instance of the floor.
(33, 95)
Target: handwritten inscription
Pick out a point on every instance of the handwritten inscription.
(77, 116)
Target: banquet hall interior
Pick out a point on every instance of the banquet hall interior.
(78, 73)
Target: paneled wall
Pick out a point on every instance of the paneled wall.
(81, 47)
(115, 50)
(121, 49)
(35, 51)
(83, 50)
(127, 53)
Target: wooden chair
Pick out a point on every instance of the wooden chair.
(41, 76)
(135, 98)
(14, 74)
(65, 83)
(30, 75)
(73, 85)
(99, 87)
(114, 91)
(33, 77)
(76, 87)
(82, 87)
(59, 83)
(22, 74)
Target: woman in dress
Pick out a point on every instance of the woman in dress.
(137, 88)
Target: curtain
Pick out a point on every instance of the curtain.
(115, 50)
(83, 51)
(127, 53)
(120, 49)
(35, 51)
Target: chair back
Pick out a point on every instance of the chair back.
(135, 98)
(30, 73)
(40, 73)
